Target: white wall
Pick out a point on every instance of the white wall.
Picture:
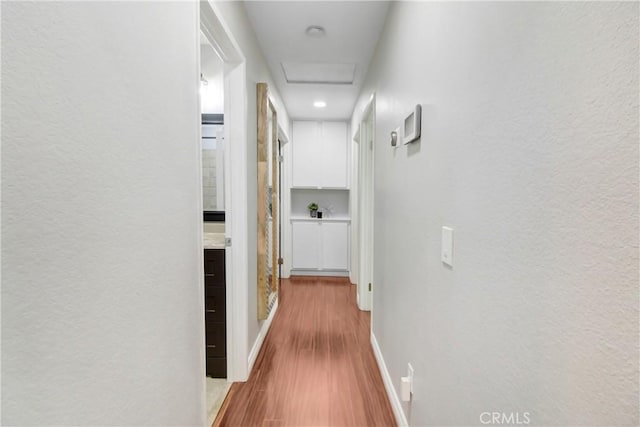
(102, 300)
(236, 18)
(530, 152)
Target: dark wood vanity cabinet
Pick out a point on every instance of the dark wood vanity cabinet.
(215, 312)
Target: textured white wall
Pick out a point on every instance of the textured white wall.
(530, 152)
(102, 304)
(235, 17)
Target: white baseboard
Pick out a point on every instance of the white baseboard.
(257, 345)
(327, 273)
(396, 405)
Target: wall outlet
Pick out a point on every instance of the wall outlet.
(410, 375)
(447, 246)
(405, 389)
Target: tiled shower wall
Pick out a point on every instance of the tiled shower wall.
(209, 179)
(211, 148)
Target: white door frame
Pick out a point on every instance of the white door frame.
(354, 261)
(235, 134)
(365, 203)
(285, 150)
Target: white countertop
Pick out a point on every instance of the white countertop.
(213, 240)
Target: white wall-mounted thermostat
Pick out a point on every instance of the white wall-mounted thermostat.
(411, 125)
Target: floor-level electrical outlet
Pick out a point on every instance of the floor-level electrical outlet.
(447, 246)
(405, 389)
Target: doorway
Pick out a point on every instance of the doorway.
(280, 259)
(214, 33)
(213, 204)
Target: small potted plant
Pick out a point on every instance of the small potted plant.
(313, 209)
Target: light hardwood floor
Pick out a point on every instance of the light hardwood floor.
(316, 366)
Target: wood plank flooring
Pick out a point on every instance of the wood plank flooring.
(316, 366)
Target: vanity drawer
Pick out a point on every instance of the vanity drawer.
(217, 367)
(215, 304)
(214, 270)
(216, 340)
(215, 312)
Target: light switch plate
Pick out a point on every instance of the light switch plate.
(447, 246)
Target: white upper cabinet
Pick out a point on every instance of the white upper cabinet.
(307, 168)
(334, 154)
(320, 155)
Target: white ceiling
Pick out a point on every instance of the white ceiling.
(352, 32)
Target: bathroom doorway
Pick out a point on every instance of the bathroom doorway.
(214, 162)
(236, 240)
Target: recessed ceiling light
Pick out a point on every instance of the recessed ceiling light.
(319, 104)
(315, 31)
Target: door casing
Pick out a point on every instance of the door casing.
(365, 213)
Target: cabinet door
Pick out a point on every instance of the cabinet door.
(214, 267)
(306, 155)
(306, 245)
(335, 245)
(334, 154)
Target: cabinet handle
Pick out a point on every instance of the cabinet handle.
(210, 311)
(211, 346)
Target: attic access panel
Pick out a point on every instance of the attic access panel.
(319, 73)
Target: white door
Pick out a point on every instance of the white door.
(306, 154)
(335, 245)
(305, 250)
(334, 154)
(365, 208)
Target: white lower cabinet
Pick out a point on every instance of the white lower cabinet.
(306, 248)
(320, 245)
(335, 245)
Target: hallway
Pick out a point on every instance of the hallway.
(316, 366)
(472, 167)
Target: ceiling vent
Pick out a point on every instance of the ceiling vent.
(319, 73)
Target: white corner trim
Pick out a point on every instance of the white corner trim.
(396, 405)
(261, 336)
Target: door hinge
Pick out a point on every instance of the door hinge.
(280, 261)
(369, 287)
(280, 159)
(227, 242)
